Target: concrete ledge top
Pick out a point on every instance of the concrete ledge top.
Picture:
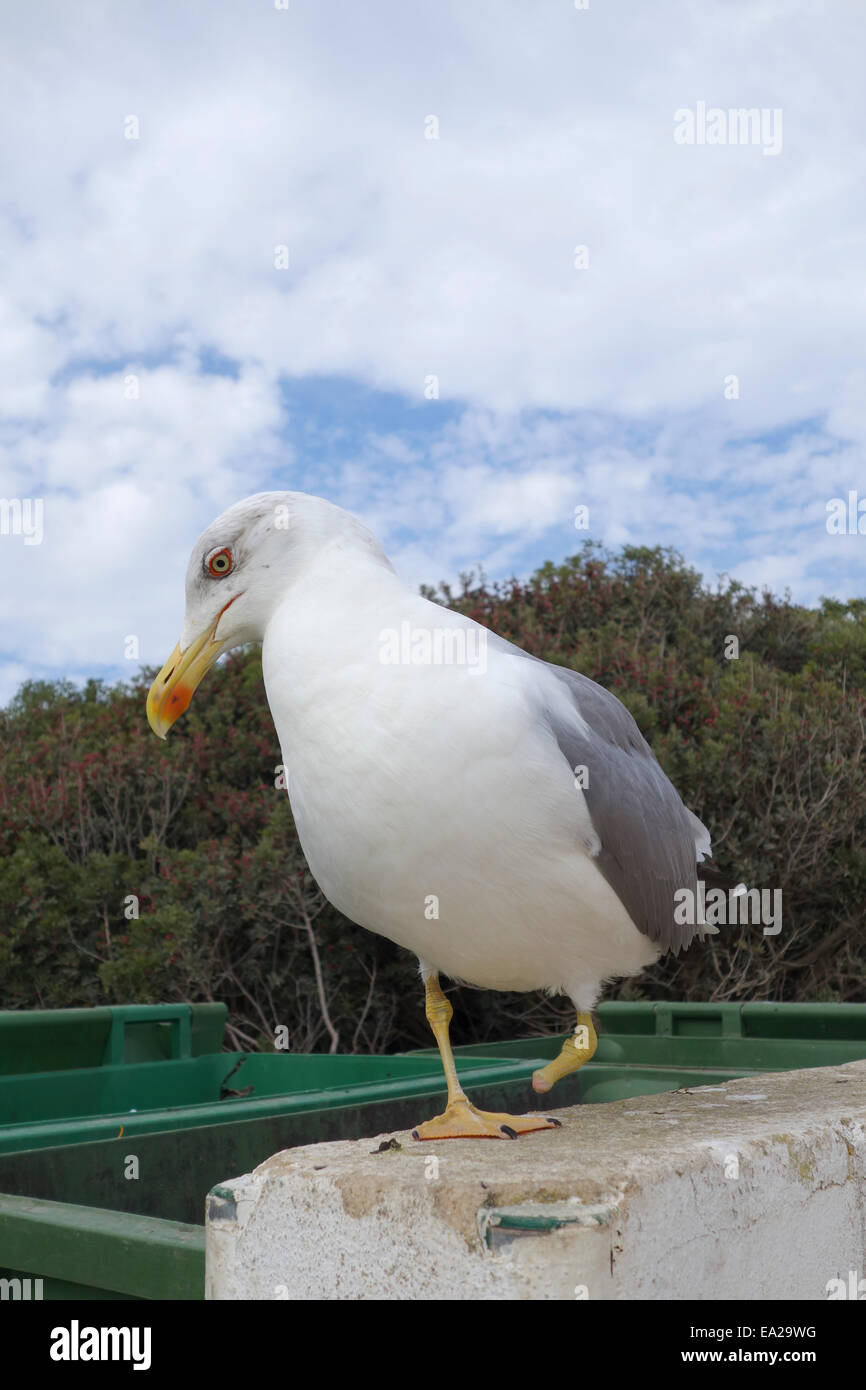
(750, 1142)
(600, 1149)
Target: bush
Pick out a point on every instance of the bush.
(135, 870)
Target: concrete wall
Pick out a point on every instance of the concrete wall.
(754, 1189)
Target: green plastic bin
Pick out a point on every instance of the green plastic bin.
(35, 1040)
(647, 1048)
(117, 1157)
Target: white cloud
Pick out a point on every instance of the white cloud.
(410, 257)
(123, 484)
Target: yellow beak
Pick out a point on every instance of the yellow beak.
(173, 688)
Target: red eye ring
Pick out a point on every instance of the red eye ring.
(220, 563)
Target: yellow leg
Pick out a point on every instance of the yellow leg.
(461, 1119)
(578, 1047)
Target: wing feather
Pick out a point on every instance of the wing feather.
(650, 842)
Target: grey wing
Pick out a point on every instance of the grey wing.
(649, 840)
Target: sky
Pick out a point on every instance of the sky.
(459, 267)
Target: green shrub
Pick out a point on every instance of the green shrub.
(100, 822)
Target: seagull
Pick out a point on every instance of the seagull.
(500, 816)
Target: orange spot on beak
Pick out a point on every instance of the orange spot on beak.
(178, 701)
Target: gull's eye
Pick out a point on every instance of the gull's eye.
(220, 563)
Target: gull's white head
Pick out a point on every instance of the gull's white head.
(240, 570)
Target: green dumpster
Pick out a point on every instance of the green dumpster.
(63, 1039)
(115, 1123)
(647, 1048)
(123, 1151)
